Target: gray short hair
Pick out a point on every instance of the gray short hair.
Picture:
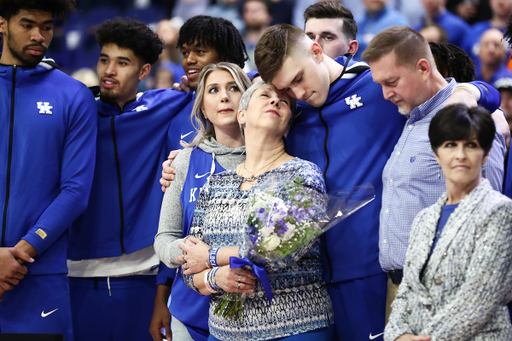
(246, 98)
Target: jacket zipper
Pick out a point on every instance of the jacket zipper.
(9, 157)
(326, 150)
(120, 189)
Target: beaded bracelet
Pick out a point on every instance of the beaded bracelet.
(211, 279)
(208, 287)
(213, 256)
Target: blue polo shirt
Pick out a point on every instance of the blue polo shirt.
(456, 28)
(503, 72)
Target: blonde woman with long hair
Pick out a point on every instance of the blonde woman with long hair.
(218, 145)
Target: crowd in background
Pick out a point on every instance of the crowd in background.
(475, 26)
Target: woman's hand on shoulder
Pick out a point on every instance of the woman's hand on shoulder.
(235, 280)
(195, 256)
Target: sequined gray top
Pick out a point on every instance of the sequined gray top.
(301, 302)
(467, 282)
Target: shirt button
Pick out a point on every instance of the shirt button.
(444, 255)
(397, 153)
(387, 210)
(409, 311)
(438, 281)
(385, 241)
(429, 307)
(410, 126)
(390, 181)
(408, 262)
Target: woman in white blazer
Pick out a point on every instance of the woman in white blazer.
(458, 269)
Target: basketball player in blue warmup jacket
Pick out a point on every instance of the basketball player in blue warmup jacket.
(48, 135)
(112, 265)
(349, 130)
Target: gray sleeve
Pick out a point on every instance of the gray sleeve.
(494, 169)
(170, 228)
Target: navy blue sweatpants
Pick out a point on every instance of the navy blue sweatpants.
(359, 308)
(118, 309)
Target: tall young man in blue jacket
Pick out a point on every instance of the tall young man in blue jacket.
(48, 135)
(112, 264)
(349, 130)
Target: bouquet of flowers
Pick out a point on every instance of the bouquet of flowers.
(284, 220)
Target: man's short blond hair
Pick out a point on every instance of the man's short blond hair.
(409, 47)
(277, 43)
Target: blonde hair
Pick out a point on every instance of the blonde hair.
(204, 129)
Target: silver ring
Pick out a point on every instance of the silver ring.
(238, 287)
(239, 278)
(183, 258)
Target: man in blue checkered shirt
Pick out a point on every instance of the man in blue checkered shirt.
(402, 63)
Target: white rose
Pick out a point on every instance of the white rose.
(290, 232)
(266, 231)
(272, 243)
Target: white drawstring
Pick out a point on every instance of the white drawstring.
(108, 285)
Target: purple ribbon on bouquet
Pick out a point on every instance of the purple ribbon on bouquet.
(257, 270)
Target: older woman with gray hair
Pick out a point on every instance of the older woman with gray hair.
(301, 308)
(458, 269)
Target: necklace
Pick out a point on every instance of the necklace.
(253, 177)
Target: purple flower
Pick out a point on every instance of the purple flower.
(250, 229)
(262, 215)
(254, 239)
(282, 230)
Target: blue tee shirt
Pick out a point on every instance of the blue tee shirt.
(445, 214)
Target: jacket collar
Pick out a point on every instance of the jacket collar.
(27, 76)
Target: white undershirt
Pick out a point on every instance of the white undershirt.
(142, 262)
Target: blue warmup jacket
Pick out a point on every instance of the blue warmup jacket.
(47, 154)
(124, 207)
(181, 126)
(351, 138)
